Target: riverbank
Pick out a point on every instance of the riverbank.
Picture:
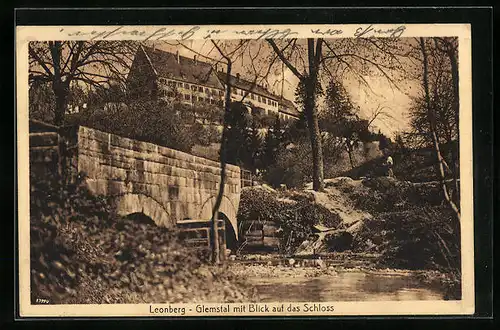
(288, 279)
(379, 223)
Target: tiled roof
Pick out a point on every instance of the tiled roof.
(247, 85)
(198, 72)
(288, 107)
(187, 69)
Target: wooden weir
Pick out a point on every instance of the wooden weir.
(198, 233)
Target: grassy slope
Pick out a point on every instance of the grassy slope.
(410, 165)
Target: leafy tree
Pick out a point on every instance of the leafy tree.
(238, 138)
(258, 125)
(292, 165)
(384, 142)
(41, 102)
(272, 144)
(341, 121)
(338, 102)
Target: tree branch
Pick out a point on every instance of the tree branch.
(284, 60)
(33, 54)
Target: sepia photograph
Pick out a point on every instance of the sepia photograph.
(245, 171)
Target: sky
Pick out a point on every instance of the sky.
(281, 80)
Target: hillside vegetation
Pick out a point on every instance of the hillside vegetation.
(82, 252)
(415, 165)
(405, 224)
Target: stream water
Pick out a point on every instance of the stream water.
(343, 286)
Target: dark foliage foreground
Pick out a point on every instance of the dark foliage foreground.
(412, 228)
(82, 253)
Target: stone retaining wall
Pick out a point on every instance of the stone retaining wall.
(165, 184)
(44, 154)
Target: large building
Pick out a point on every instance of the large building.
(162, 75)
(158, 74)
(258, 98)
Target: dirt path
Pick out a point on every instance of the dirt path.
(336, 201)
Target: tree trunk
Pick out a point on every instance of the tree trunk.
(59, 87)
(61, 96)
(314, 55)
(432, 122)
(454, 77)
(223, 160)
(315, 135)
(452, 55)
(349, 152)
(309, 81)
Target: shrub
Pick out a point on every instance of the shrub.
(384, 194)
(82, 253)
(54, 207)
(206, 134)
(171, 125)
(296, 217)
(292, 167)
(421, 238)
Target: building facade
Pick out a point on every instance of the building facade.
(161, 75)
(258, 98)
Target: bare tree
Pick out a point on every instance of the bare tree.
(309, 80)
(432, 121)
(449, 46)
(334, 57)
(229, 53)
(379, 111)
(62, 63)
(223, 155)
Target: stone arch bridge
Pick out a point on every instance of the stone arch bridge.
(168, 186)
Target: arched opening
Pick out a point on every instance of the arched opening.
(230, 233)
(134, 221)
(226, 207)
(128, 204)
(140, 218)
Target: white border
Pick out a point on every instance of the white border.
(24, 34)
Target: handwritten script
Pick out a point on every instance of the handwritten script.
(201, 32)
(372, 31)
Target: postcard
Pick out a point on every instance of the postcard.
(267, 170)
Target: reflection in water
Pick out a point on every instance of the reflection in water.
(345, 286)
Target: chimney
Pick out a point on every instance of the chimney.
(194, 58)
(238, 77)
(178, 57)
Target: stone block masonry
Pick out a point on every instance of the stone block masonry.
(44, 153)
(167, 185)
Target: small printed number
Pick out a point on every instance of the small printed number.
(42, 301)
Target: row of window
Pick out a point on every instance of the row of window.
(195, 88)
(214, 92)
(191, 98)
(255, 97)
